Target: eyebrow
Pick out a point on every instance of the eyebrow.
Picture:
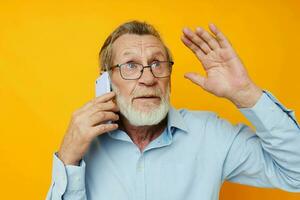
(126, 53)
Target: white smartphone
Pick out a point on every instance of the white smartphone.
(103, 84)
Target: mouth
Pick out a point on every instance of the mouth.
(147, 97)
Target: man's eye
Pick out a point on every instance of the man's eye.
(155, 63)
(131, 65)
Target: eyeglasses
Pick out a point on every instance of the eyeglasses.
(134, 71)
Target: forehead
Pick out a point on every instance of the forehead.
(128, 44)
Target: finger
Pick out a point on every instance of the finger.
(101, 107)
(196, 50)
(100, 99)
(196, 40)
(108, 106)
(196, 78)
(106, 97)
(103, 128)
(223, 41)
(208, 38)
(101, 117)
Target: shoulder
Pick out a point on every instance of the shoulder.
(198, 117)
(210, 122)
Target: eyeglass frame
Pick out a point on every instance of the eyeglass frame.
(171, 63)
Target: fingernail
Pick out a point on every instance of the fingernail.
(199, 29)
(211, 25)
(186, 30)
(185, 40)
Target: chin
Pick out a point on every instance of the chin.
(145, 107)
(144, 114)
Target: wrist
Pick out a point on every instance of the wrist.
(247, 98)
(66, 160)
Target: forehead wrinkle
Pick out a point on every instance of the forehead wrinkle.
(140, 47)
(154, 52)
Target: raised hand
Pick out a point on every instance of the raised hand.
(226, 75)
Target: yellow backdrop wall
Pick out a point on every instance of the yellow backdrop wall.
(48, 64)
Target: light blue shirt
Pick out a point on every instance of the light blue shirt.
(190, 160)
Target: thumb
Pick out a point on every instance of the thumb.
(196, 78)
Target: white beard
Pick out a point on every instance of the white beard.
(143, 116)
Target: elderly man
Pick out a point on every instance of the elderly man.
(152, 151)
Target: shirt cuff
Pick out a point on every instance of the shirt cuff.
(76, 176)
(68, 177)
(267, 112)
(59, 175)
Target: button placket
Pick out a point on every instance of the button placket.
(140, 178)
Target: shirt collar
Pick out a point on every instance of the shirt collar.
(176, 120)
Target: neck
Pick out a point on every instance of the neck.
(142, 135)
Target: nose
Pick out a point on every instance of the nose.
(147, 77)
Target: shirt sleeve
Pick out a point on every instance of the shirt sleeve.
(68, 181)
(270, 155)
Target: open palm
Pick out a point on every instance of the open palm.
(226, 76)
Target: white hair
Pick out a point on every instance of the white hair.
(143, 116)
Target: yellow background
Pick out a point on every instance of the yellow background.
(48, 64)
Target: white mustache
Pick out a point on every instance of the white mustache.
(146, 93)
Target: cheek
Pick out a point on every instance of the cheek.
(125, 87)
(165, 85)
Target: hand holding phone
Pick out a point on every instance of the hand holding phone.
(103, 119)
(87, 123)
